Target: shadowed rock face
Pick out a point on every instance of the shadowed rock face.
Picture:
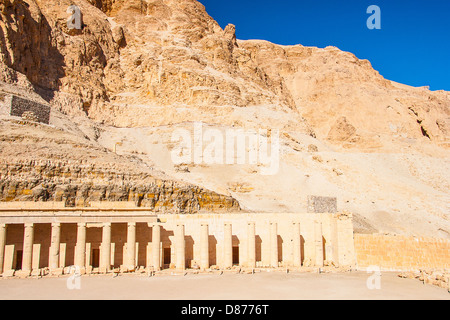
(33, 110)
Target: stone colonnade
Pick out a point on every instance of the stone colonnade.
(56, 240)
(173, 241)
(258, 240)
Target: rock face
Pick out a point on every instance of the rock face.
(171, 53)
(343, 97)
(79, 185)
(342, 130)
(322, 205)
(45, 163)
(140, 69)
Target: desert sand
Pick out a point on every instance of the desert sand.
(261, 286)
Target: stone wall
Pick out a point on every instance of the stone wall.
(401, 253)
(18, 106)
(322, 204)
(3, 105)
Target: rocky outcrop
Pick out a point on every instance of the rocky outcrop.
(138, 53)
(19, 106)
(342, 130)
(340, 95)
(37, 43)
(140, 69)
(134, 54)
(78, 185)
(438, 278)
(230, 35)
(27, 45)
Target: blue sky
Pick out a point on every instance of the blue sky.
(412, 47)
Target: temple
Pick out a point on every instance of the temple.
(102, 240)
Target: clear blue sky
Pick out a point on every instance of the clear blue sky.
(412, 47)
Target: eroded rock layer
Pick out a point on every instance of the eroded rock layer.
(140, 69)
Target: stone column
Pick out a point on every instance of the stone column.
(131, 246)
(251, 235)
(28, 247)
(81, 247)
(204, 247)
(105, 261)
(228, 246)
(54, 246)
(318, 244)
(274, 245)
(347, 253)
(297, 246)
(180, 245)
(156, 247)
(334, 241)
(2, 245)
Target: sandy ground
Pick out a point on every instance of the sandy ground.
(263, 286)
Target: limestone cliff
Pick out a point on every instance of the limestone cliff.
(157, 56)
(39, 163)
(348, 102)
(140, 69)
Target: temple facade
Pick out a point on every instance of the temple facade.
(54, 240)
